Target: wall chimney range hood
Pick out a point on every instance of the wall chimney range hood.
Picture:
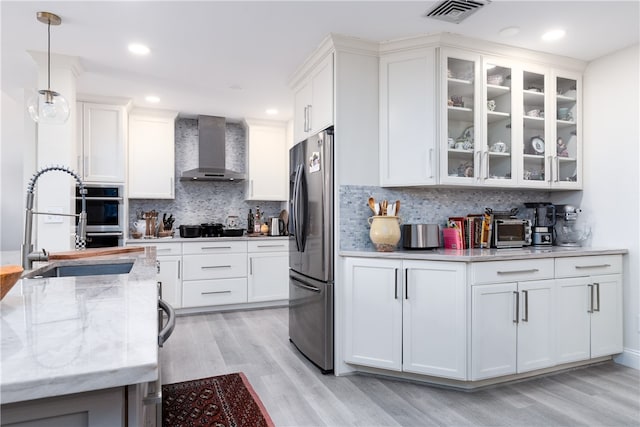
(211, 153)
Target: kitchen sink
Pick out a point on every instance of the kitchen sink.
(80, 270)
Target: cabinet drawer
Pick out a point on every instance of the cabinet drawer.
(278, 245)
(173, 248)
(588, 265)
(198, 293)
(512, 271)
(199, 267)
(218, 247)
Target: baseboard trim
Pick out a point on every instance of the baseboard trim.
(629, 357)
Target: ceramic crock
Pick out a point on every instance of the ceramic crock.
(385, 232)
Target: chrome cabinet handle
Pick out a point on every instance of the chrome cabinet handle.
(486, 164)
(396, 285)
(271, 246)
(171, 191)
(557, 174)
(431, 162)
(251, 187)
(309, 124)
(208, 267)
(251, 266)
(593, 266)
(517, 311)
(215, 292)
(215, 247)
(525, 294)
(550, 158)
(406, 283)
(590, 310)
(531, 270)
(597, 288)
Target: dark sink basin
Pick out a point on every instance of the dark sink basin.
(80, 270)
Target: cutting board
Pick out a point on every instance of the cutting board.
(87, 253)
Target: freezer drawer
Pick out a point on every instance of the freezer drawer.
(311, 319)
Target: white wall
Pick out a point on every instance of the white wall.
(611, 196)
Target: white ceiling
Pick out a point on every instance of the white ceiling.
(201, 49)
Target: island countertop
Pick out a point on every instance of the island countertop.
(67, 335)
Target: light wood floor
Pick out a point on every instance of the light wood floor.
(296, 394)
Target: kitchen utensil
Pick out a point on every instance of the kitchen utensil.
(9, 275)
(397, 207)
(372, 205)
(233, 232)
(190, 231)
(383, 207)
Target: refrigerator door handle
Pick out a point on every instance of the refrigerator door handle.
(294, 206)
(303, 199)
(301, 284)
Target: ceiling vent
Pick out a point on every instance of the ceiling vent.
(455, 11)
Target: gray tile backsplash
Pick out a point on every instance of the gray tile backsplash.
(211, 201)
(422, 206)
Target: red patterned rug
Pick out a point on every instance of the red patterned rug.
(222, 401)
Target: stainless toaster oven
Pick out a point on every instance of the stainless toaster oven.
(511, 233)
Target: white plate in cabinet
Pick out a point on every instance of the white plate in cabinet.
(199, 267)
(269, 246)
(588, 265)
(209, 247)
(512, 271)
(198, 293)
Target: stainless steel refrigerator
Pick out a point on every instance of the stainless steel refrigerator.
(311, 248)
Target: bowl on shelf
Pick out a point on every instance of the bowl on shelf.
(495, 79)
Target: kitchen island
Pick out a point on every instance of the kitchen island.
(473, 318)
(80, 336)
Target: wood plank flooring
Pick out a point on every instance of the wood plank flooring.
(296, 394)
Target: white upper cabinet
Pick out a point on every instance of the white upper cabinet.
(408, 150)
(267, 161)
(151, 154)
(101, 142)
(313, 101)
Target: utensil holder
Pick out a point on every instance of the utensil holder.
(385, 232)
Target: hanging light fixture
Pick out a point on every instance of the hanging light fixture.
(48, 106)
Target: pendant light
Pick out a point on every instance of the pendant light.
(48, 106)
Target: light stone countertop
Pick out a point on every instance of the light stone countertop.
(479, 255)
(132, 242)
(76, 334)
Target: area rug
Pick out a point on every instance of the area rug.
(222, 401)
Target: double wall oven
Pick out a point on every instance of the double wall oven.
(105, 214)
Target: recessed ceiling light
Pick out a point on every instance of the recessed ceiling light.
(152, 99)
(139, 49)
(509, 31)
(271, 111)
(235, 87)
(553, 35)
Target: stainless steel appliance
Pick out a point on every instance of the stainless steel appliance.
(420, 236)
(105, 214)
(569, 231)
(511, 233)
(311, 248)
(544, 219)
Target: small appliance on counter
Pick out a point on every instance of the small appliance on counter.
(544, 219)
(420, 236)
(211, 229)
(569, 231)
(190, 231)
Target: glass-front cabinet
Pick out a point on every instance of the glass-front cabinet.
(498, 142)
(461, 163)
(535, 169)
(568, 147)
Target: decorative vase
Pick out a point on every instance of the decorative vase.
(385, 232)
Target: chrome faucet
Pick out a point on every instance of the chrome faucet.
(28, 255)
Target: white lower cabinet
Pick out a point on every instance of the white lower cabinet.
(590, 307)
(268, 275)
(406, 316)
(169, 277)
(512, 328)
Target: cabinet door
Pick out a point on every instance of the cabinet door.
(170, 276)
(268, 278)
(498, 136)
(567, 154)
(537, 147)
(103, 142)
(461, 118)
(493, 330)
(536, 325)
(572, 319)
(434, 319)
(302, 103)
(151, 156)
(321, 112)
(606, 318)
(267, 161)
(408, 119)
(373, 313)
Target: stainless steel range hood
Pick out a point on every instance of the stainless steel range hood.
(211, 153)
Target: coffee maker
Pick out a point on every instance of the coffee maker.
(544, 220)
